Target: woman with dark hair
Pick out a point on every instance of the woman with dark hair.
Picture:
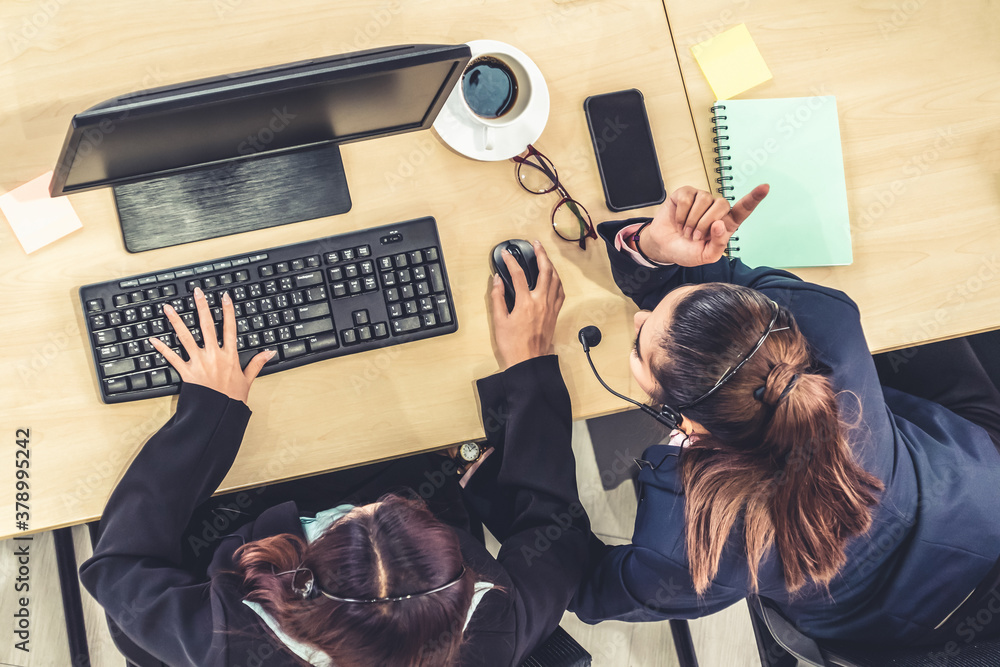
(380, 580)
(863, 512)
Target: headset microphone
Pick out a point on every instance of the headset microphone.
(590, 336)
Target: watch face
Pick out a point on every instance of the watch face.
(469, 451)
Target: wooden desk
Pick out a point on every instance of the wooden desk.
(354, 409)
(919, 102)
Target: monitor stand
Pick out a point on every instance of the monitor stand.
(234, 197)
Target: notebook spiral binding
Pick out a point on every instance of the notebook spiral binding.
(720, 158)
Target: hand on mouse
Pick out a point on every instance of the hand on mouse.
(692, 228)
(213, 366)
(526, 331)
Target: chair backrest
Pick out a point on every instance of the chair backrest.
(559, 650)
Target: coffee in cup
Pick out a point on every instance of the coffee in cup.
(489, 87)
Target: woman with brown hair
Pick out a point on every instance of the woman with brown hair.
(862, 512)
(367, 578)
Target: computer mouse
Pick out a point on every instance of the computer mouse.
(524, 253)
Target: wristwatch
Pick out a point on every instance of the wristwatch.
(467, 454)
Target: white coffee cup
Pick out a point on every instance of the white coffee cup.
(512, 115)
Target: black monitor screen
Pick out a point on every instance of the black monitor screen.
(338, 99)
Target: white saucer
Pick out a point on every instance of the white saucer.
(464, 132)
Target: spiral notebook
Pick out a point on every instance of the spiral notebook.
(794, 145)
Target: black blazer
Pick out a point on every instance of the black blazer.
(526, 491)
(934, 535)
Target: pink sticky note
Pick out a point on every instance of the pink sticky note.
(36, 218)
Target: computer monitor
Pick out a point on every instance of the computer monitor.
(249, 150)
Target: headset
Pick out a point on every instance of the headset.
(590, 336)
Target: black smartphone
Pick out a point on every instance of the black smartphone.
(623, 144)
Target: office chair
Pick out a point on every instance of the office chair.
(781, 645)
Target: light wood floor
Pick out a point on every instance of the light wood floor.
(721, 640)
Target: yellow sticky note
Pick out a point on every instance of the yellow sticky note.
(731, 62)
(36, 218)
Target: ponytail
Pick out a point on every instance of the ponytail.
(776, 455)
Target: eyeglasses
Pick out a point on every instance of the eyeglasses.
(537, 175)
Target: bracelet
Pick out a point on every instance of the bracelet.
(638, 248)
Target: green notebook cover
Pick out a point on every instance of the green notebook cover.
(794, 145)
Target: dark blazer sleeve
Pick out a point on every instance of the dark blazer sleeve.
(646, 286)
(529, 486)
(135, 572)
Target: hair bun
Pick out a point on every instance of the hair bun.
(778, 383)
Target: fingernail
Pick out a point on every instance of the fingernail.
(226, 298)
(697, 235)
(272, 355)
(167, 305)
(537, 242)
(496, 279)
(198, 292)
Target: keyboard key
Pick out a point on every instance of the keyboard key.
(364, 333)
(399, 260)
(360, 317)
(271, 287)
(298, 264)
(147, 280)
(431, 254)
(115, 386)
(346, 255)
(95, 305)
(419, 273)
(323, 341)
(363, 251)
(119, 367)
(273, 320)
(121, 300)
(406, 324)
(145, 362)
(392, 295)
(407, 291)
(312, 327)
(369, 284)
(426, 304)
(423, 289)
(209, 282)
(308, 279)
(114, 319)
(410, 308)
(381, 331)
(152, 293)
(269, 337)
(265, 271)
(130, 315)
(437, 279)
(349, 337)
(312, 261)
(316, 294)
(354, 286)
(332, 257)
(183, 273)
(312, 311)
(285, 284)
(395, 310)
(281, 267)
(105, 336)
(403, 275)
(429, 319)
(444, 311)
(351, 271)
(416, 257)
(138, 381)
(165, 276)
(126, 284)
(242, 276)
(158, 378)
(218, 266)
(98, 321)
(336, 273)
(388, 279)
(385, 263)
(294, 349)
(109, 352)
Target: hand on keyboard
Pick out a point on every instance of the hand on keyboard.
(213, 366)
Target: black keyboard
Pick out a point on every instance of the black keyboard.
(309, 301)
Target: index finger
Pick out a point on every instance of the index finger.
(517, 277)
(745, 206)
